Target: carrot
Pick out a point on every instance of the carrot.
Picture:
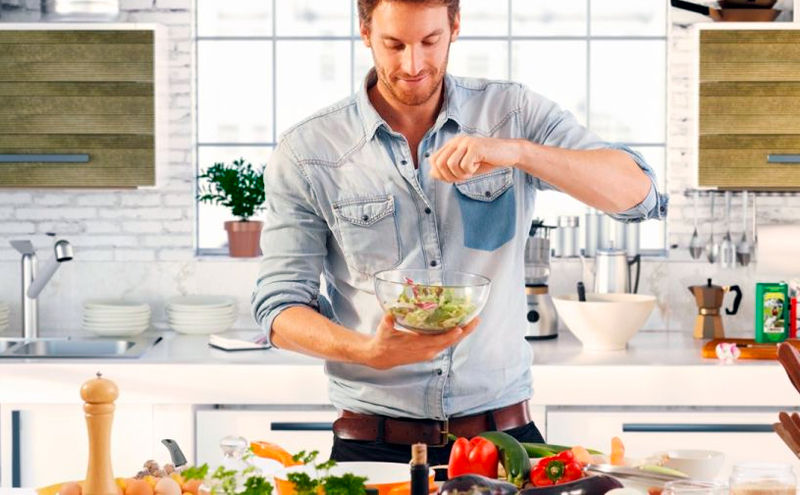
(617, 452)
(273, 451)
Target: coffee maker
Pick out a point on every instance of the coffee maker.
(542, 316)
(708, 324)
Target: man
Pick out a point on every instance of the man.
(421, 169)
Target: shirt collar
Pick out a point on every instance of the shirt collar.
(372, 120)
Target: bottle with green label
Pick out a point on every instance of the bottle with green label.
(772, 306)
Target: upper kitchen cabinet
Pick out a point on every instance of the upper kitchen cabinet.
(80, 105)
(749, 108)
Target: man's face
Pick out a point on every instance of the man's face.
(410, 43)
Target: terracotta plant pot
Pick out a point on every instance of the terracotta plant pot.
(243, 238)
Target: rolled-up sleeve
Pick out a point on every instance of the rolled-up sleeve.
(293, 242)
(546, 123)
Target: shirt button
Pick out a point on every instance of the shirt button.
(439, 372)
(488, 194)
(427, 210)
(434, 263)
(365, 218)
(427, 154)
(403, 162)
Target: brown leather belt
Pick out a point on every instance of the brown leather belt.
(406, 431)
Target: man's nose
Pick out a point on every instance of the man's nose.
(412, 60)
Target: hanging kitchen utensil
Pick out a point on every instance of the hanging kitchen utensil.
(754, 244)
(787, 438)
(695, 244)
(729, 14)
(743, 248)
(727, 249)
(712, 248)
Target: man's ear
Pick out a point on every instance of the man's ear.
(363, 30)
(454, 32)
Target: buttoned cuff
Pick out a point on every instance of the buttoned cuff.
(654, 205)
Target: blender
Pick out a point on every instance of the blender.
(542, 317)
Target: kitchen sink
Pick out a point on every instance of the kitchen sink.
(75, 348)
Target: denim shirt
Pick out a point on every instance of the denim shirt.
(345, 201)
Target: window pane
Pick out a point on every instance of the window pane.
(485, 59)
(628, 93)
(554, 69)
(234, 18)
(312, 17)
(325, 78)
(548, 18)
(210, 229)
(234, 98)
(629, 17)
(361, 65)
(550, 204)
(484, 17)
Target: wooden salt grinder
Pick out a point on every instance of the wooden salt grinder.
(99, 395)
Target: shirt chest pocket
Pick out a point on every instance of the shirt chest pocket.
(488, 209)
(368, 232)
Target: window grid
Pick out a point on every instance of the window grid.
(355, 80)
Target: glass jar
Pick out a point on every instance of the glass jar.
(694, 487)
(758, 478)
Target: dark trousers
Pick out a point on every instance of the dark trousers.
(356, 450)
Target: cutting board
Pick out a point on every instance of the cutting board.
(749, 347)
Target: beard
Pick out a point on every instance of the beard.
(412, 96)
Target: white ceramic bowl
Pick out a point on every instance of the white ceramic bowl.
(604, 322)
(697, 463)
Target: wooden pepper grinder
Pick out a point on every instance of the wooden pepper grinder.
(99, 395)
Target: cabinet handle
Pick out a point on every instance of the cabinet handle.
(44, 158)
(16, 455)
(300, 426)
(783, 158)
(695, 428)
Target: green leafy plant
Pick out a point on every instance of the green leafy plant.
(238, 186)
(304, 484)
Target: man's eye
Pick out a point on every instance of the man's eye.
(395, 47)
(430, 42)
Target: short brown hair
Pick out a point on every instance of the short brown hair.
(365, 8)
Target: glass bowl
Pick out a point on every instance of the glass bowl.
(431, 301)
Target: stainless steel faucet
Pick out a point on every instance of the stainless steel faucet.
(33, 282)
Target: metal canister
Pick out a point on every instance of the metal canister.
(591, 231)
(568, 235)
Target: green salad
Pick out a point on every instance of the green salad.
(430, 307)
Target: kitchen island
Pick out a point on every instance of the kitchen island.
(657, 394)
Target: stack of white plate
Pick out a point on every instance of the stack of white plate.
(201, 314)
(115, 317)
(4, 309)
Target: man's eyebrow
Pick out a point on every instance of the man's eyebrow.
(392, 38)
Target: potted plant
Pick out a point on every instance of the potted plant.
(240, 187)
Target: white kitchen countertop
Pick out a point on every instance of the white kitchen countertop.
(658, 368)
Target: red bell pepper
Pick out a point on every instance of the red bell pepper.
(476, 456)
(557, 469)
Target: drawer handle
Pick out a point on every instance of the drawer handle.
(299, 426)
(44, 158)
(16, 454)
(783, 158)
(695, 428)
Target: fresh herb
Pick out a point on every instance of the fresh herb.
(195, 472)
(303, 483)
(227, 480)
(240, 187)
(256, 485)
(346, 484)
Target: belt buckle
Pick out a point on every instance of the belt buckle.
(445, 434)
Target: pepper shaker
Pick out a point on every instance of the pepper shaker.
(99, 395)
